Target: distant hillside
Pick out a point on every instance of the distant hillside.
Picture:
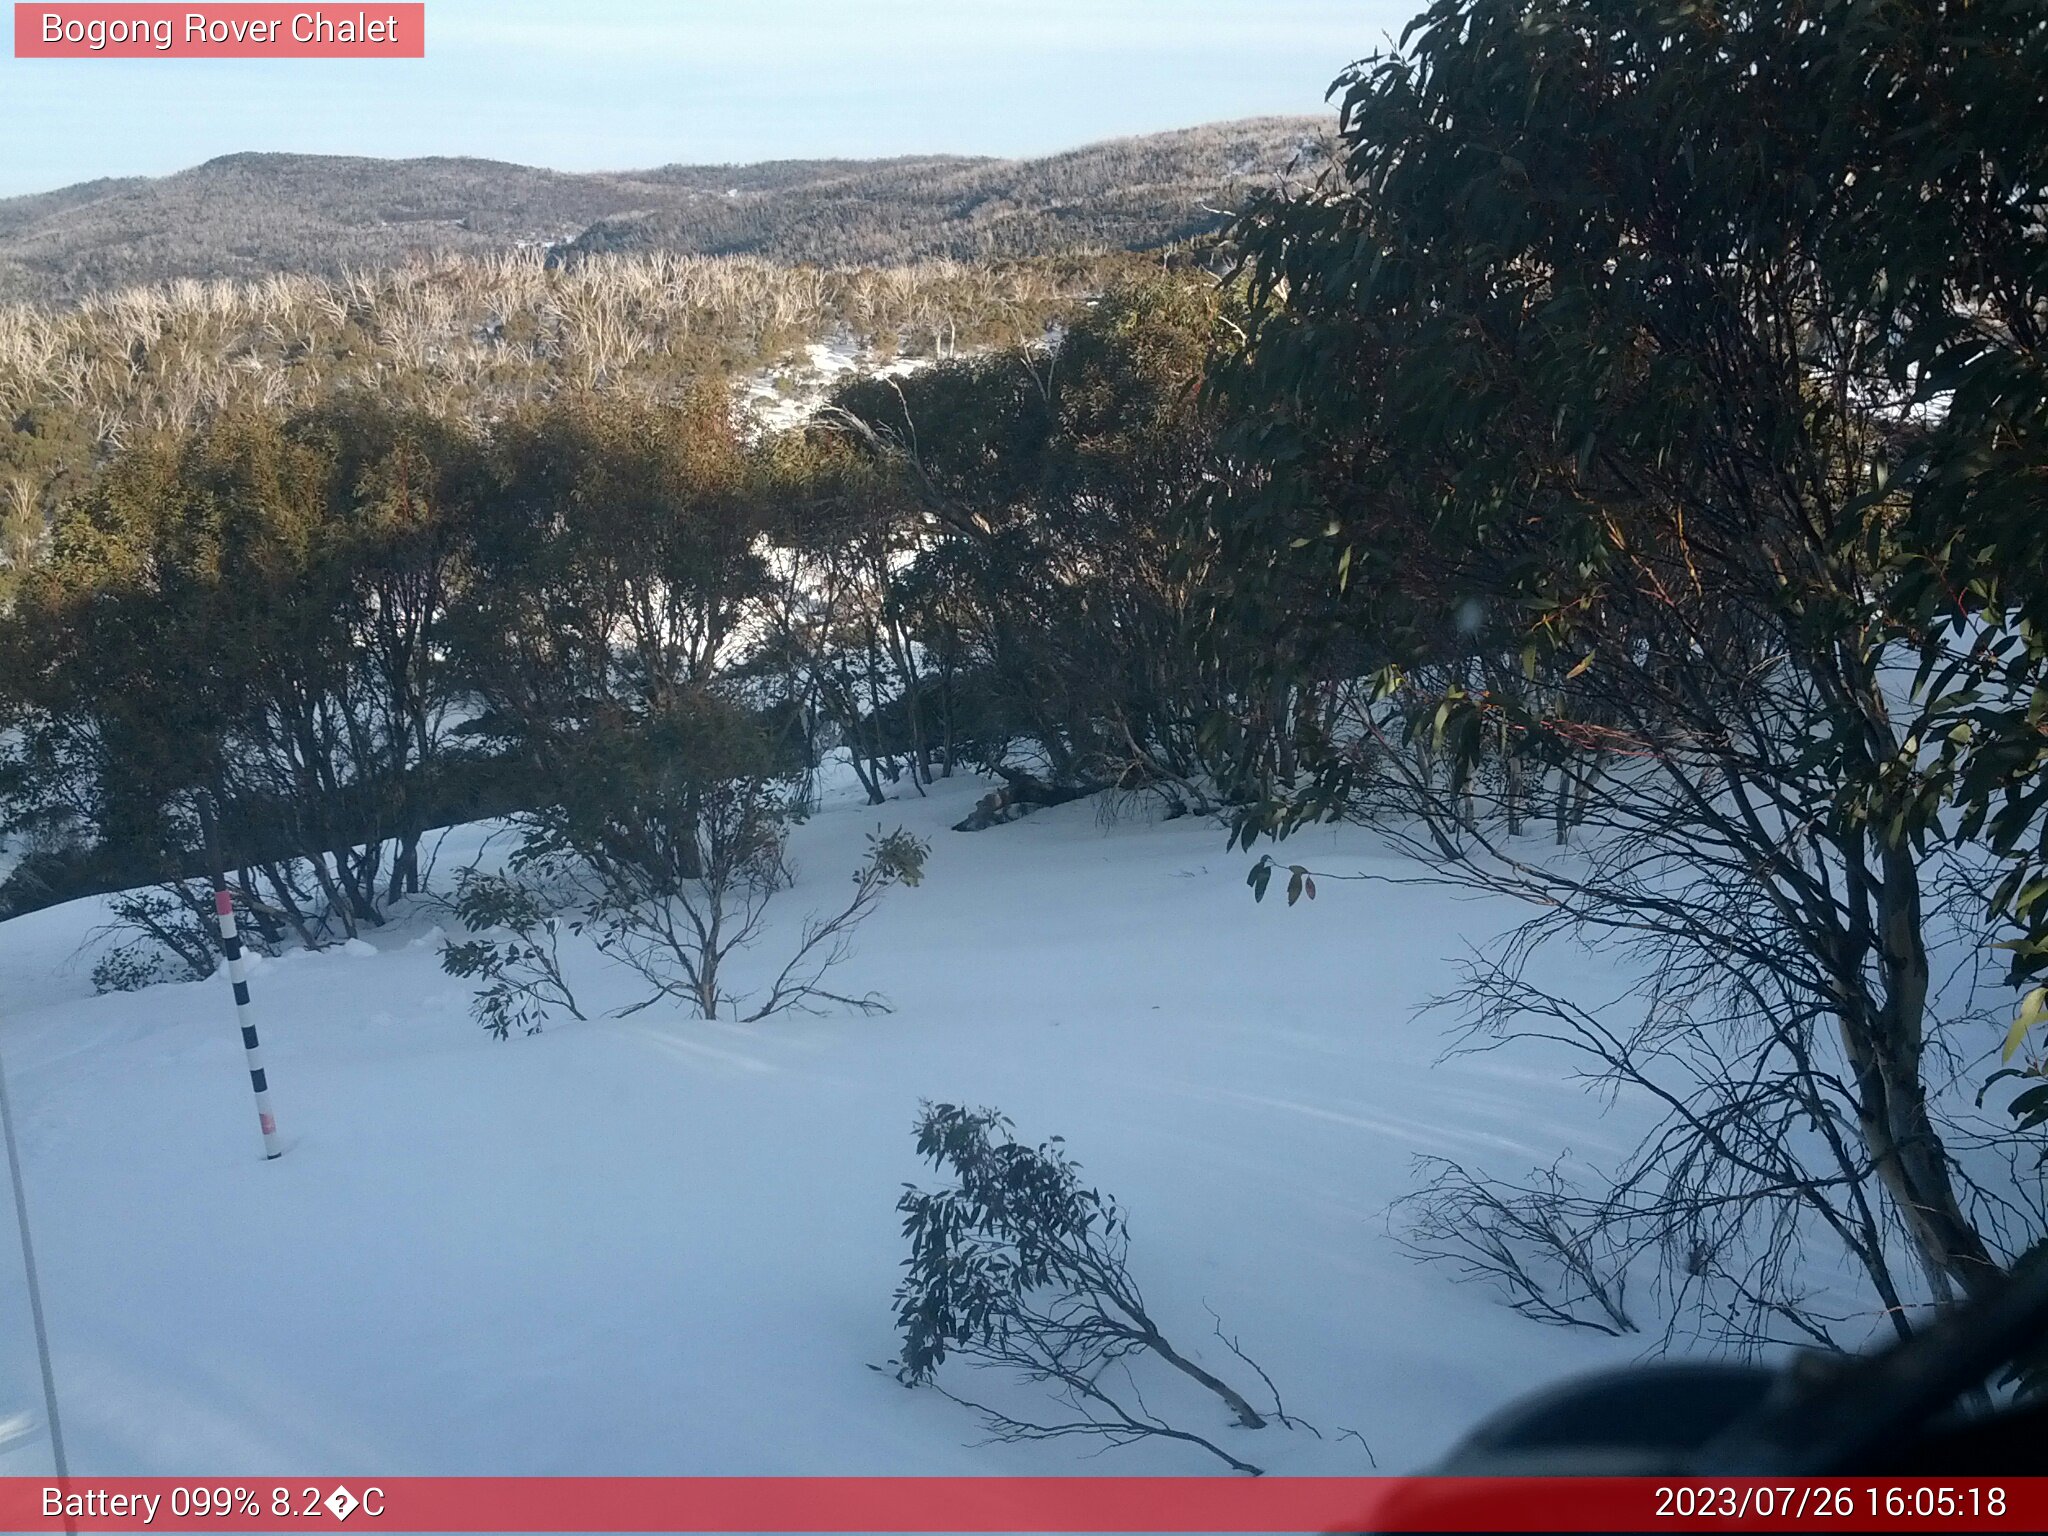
(250, 214)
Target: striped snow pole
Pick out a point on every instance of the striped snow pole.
(231, 941)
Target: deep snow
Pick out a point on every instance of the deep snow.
(661, 1245)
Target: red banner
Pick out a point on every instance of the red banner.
(117, 31)
(978, 1504)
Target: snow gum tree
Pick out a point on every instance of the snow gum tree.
(1587, 388)
(251, 609)
(1020, 1264)
(675, 825)
(1048, 580)
(615, 632)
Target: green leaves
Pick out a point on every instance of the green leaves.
(1016, 1220)
(2033, 1011)
(1672, 379)
(895, 858)
(522, 973)
(1300, 882)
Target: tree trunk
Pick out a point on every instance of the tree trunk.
(1511, 781)
(1885, 1043)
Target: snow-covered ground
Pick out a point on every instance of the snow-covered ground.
(790, 393)
(660, 1245)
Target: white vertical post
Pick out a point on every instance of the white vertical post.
(35, 1293)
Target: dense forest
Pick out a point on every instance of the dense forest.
(250, 215)
(461, 336)
(1619, 479)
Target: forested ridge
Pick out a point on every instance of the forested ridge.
(466, 337)
(248, 215)
(1619, 480)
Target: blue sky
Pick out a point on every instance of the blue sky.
(617, 84)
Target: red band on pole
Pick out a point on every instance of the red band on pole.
(977, 1504)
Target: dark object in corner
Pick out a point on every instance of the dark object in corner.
(1901, 1411)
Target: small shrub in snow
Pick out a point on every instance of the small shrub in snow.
(523, 971)
(173, 938)
(676, 826)
(1019, 1264)
(1556, 1256)
(130, 967)
(675, 932)
(680, 941)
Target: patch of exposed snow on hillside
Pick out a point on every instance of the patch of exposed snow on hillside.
(790, 393)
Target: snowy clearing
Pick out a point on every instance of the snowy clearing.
(790, 394)
(659, 1245)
